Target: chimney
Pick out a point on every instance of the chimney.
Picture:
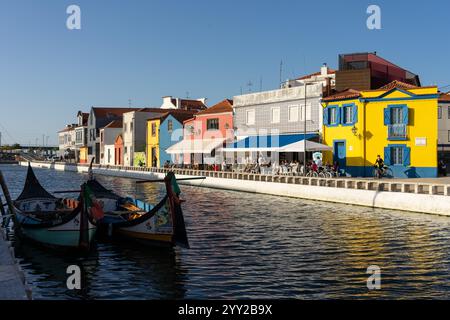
(178, 103)
(324, 70)
(167, 102)
(328, 87)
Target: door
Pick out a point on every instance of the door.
(154, 159)
(340, 154)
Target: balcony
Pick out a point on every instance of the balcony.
(397, 132)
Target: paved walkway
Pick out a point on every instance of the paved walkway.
(11, 285)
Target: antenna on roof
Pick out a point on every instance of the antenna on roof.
(249, 84)
(281, 71)
(129, 103)
(260, 83)
(187, 94)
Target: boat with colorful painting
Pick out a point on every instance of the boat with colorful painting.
(51, 221)
(156, 225)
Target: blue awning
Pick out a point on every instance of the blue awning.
(267, 142)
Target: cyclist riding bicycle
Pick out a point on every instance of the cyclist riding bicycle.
(379, 166)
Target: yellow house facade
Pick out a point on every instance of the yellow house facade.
(397, 122)
(152, 151)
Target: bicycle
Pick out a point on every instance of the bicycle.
(384, 172)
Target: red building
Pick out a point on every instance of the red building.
(207, 131)
(366, 71)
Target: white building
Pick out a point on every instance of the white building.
(108, 135)
(135, 132)
(184, 104)
(81, 133)
(444, 128)
(66, 142)
(326, 76)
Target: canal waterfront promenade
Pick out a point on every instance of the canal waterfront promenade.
(431, 196)
(12, 280)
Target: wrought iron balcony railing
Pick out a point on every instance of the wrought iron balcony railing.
(397, 131)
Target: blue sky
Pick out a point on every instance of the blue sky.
(143, 50)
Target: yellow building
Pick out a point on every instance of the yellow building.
(83, 154)
(153, 159)
(397, 122)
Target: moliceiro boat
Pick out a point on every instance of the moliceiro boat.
(156, 225)
(52, 221)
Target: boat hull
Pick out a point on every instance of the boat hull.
(66, 235)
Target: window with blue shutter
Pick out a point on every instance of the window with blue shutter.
(397, 155)
(325, 116)
(405, 115)
(387, 156)
(333, 116)
(398, 122)
(338, 115)
(355, 114)
(349, 114)
(407, 156)
(387, 116)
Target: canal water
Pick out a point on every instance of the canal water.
(250, 246)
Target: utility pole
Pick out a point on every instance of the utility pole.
(304, 130)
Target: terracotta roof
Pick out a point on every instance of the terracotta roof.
(444, 97)
(330, 71)
(223, 106)
(111, 112)
(115, 124)
(156, 110)
(398, 85)
(346, 94)
(180, 115)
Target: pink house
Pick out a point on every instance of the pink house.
(207, 131)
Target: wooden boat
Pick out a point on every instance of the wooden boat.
(52, 221)
(156, 225)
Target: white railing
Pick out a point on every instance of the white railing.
(347, 183)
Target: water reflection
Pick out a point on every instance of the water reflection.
(253, 246)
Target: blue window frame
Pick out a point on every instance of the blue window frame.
(397, 155)
(349, 116)
(331, 116)
(396, 118)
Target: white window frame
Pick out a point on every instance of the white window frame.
(348, 114)
(295, 106)
(272, 119)
(397, 156)
(247, 117)
(331, 111)
(302, 112)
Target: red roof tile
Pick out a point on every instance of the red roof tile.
(115, 112)
(347, 94)
(444, 97)
(223, 106)
(398, 85)
(180, 115)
